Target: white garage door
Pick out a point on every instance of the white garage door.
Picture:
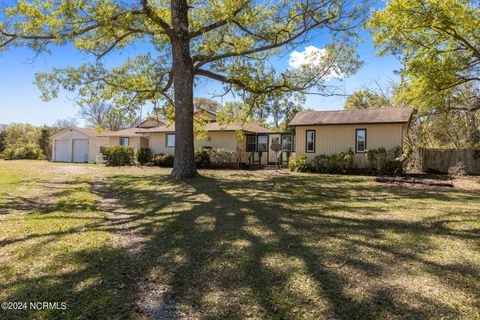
(80, 150)
(63, 151)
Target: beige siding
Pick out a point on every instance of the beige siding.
(136, 142)
(337, 138)
(226, 140)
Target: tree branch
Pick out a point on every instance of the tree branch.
(156, 19)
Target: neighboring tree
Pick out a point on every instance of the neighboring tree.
(44, 141)
(2, 136)
(207, 104)
(20, 133)
(226, 41)
(106, 116)
(365, 99)
(451, 124)
(65, 123)
(437, 42)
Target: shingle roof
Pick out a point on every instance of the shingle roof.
(386, 115)
(215, 126)
(89, 132)
(130, 132)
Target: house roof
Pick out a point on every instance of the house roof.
(130, 132)
(89, 132)
(362, 116)
(214, 126)
(159, 121)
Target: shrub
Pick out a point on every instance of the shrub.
(298, 165)
(392, 168)
(202, 157)
(376, 158)
(391, 162)
(163, 160)
(221, 156)
(23, 151)
(144, 155)
(119, 155)
(341, 162)
(457, 171)
(207, 156)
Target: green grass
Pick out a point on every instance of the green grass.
(133, 243)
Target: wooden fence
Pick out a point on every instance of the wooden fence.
(441, 160)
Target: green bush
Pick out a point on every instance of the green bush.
(392, 168)
(144, 155)
(391, 162)
(341, 162)
(221, 156)
(298, 165)
(119, 155)
(208, 156)
(23, 151)
(202, 157)
(163, 160)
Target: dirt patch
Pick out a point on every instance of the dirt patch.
(73, 169)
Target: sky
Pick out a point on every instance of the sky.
(20, 99)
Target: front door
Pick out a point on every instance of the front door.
(275, 145)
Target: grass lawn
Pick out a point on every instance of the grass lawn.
(131, 243)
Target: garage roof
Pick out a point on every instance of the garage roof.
(89, 132)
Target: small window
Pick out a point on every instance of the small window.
(361, 140)
(287, 143)
(124, 141)
(251, 143)
(170, 140)
(310, 144)
(262, 143)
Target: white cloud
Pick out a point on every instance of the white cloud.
(310, 56)
(313, 57)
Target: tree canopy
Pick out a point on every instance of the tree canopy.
(108, 117)
(438, 43)
(364, 99)
(227, 41)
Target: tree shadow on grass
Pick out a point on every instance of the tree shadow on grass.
(278, 247)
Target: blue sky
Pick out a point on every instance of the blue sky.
(20, 98)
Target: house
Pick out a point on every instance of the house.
(233, 137)
(313, 133)
(79, 145)
(330, 132)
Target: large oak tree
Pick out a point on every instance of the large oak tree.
(230, 41)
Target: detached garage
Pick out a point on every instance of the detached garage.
(80, 145)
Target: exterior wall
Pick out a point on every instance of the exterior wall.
(332, 139)
(222, 139)
(94, 144)
(135, 142)
(94, 148)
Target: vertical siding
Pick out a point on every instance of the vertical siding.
(337, 138)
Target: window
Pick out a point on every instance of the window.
(124, 141)
(360, 140)
(251, 143)
(170, 140)
(287, 143)
(262, 143)
(310, 143)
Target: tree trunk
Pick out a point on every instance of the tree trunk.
(184, 163)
